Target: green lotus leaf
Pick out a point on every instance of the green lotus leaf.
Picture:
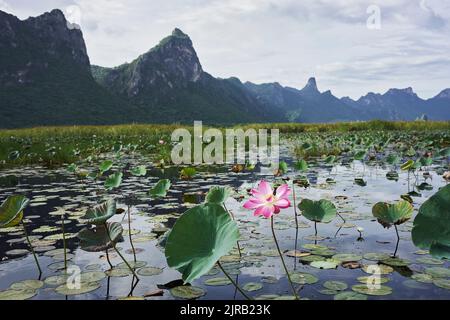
(11, 211)
(431, 229)
(105, 166)
(100, 238)
(318, 211)
(283, 167)
(140, 171)
(101, 213)
(301, 165)
(360, 155)
(114, 181)
(408, 165)
(218, 195)
(392, 214)
(392, 159)
(160, 189)
(199, 238)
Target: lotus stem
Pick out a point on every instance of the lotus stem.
(295, 204)
(233, 282)
(32, 249)
(64, 241)
(282, 260)
(340, 216)
(129, 235)
(315, 228)
(232, 217)
(109, 261)
(398, 241)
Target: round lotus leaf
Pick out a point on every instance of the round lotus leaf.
(267, 297)
(101, 213)
(218, 195)
(325, 253)
(59, 257)
(160, 189)
(11, 211)
(422, 277)
(430, 261)
(252, 286)
(314, 238)
(392, 214)
(378, 269)
(310, 246)
(347, 257)
(303, 278)
(269, 279)
(139, 171)
(105, 166)
(93, 267)
(133, 264)
(84, 287)
(149, 271)
(92, 276)
(54, 252)
(377, 256)
(118, 273)
(372, 280)
(221, 281)
(438, 272)
(199, 238)
(60, 236)
(17, 252)
(58, 266)
(349, 295)
(100, 238)
(56, 280)
(27, 285)
(187, 292)
(335, 285)
(396, 262)
(328, 292)
(325, 264)
(312, 258)
(442, 283)
(319, 211)
(17, 294)
(372, 291)
(432, 225)
(114, 181)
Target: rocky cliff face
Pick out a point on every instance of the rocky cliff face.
(29, 48)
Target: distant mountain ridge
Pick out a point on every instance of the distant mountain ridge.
(46, 79)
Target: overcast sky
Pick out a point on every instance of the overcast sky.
(286, 41)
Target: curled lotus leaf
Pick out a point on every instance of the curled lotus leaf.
(318, 211)
(101, 213)
(218, 195)
(392, 214)
(11, 211)
(100, 238)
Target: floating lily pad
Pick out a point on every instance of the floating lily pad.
(396, 262)
(221, 281)
(347, 257)
(325, 264)
(373, 280)
(187, 292)
(372, 291)
(84, 287)
(442, 283)
(335, 285)
(430, 261)
(252, 286)
(17, 252)
(303, 278)
(27, 285)
(133, 264)
(422, 277)
(149, 271)
(438, 272)
(377, 256)
(17, 294)
(118, 272)
(349, 295)
(381, 269)
(312, 258)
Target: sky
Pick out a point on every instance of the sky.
(351, 46)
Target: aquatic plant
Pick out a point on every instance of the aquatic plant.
(322, 211)
(389, 215)
(11, 215)
(431, 229)
(266, 203)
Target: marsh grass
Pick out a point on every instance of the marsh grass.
(57, 146)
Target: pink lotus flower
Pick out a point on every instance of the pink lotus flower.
(162, 142)
(265, 202)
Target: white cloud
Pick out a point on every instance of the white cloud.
(278, 40)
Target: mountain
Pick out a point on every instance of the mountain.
(45, 76)
(169, 83)
(46, 79)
